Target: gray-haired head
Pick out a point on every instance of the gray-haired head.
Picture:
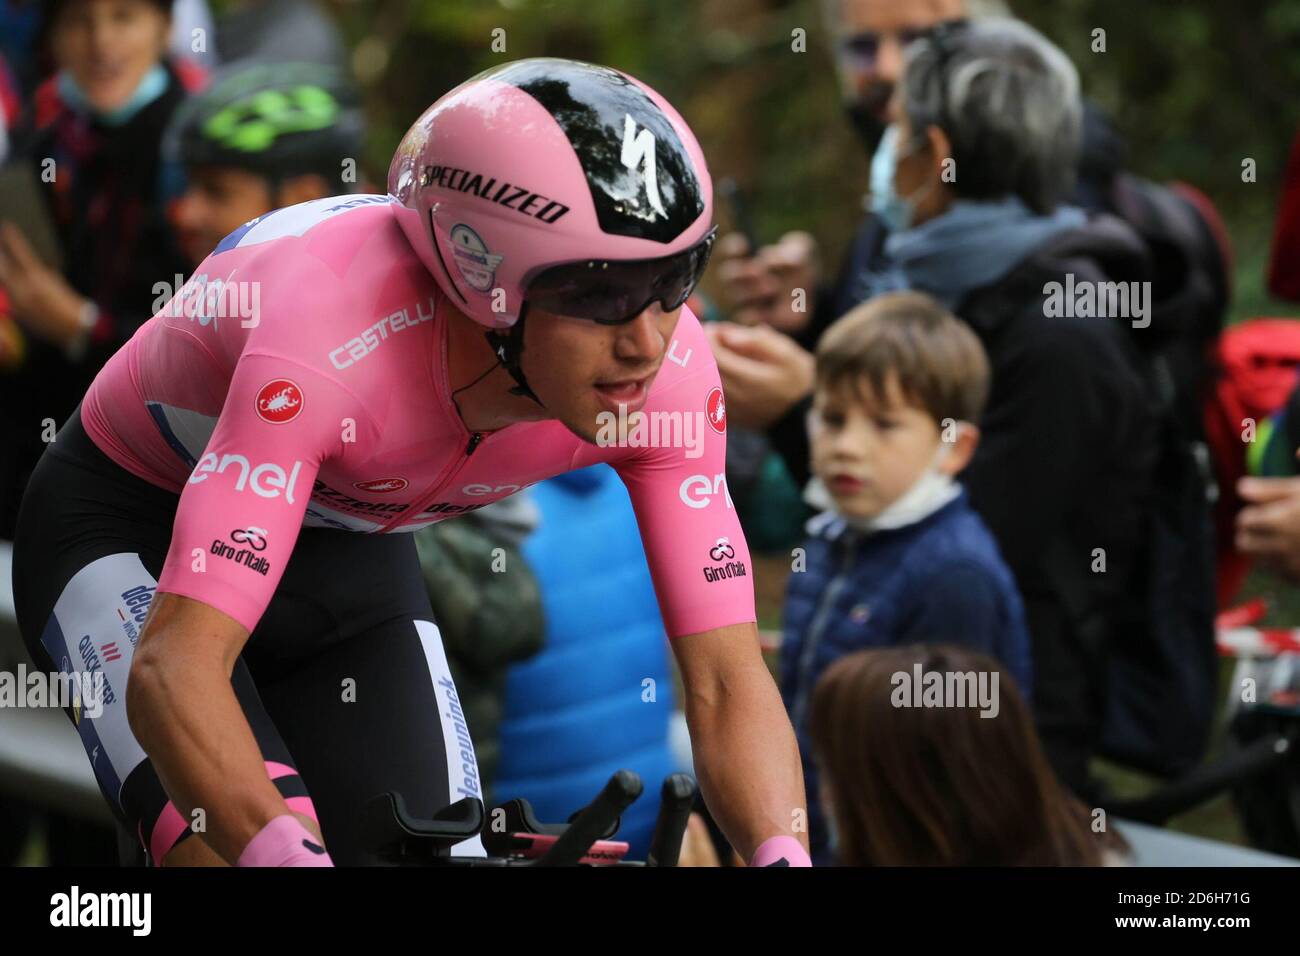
(1008, 101)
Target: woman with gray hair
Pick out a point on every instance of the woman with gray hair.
(971, 180)
(984, 147)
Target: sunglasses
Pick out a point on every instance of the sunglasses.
(614, 291)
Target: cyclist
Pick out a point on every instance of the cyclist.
(260, 137)
(376, 363)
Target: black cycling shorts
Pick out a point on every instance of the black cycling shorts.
(344, 681)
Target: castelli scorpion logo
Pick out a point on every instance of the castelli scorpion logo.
(715, 410)
(279, 401)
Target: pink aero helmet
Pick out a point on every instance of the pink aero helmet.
(562, 185)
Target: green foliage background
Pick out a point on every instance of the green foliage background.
(1196, 86)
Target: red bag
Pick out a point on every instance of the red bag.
(1254, 368)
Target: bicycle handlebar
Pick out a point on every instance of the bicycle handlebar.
(1205, 782)
(594, 821)
(675, 800)
(395, 837)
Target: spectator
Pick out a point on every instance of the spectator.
(1069, 443)
(767, 376)
(1268, 528)
(899, 557)
(99, 122)
(261, 137)
(960, 784)
(605, 664)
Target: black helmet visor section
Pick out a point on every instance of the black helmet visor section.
(643, 183)
(614, 291)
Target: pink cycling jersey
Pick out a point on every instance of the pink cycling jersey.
(300, 378)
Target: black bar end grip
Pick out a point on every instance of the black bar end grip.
(394, 835)
(592, 823)
(676, 799)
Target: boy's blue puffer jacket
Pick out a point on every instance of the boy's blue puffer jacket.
(940, 580)
(575, 712)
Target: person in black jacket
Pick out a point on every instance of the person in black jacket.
(971, 182)
(95, 152)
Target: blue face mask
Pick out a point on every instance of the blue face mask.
(895, 211)
(151, 87)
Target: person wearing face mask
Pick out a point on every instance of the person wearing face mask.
(897, 555)
(95, 151)
(974, 178)
(767, 374)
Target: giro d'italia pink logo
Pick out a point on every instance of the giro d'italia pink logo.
(279, 401)
(715, 410)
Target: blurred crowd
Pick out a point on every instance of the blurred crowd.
(998, 442)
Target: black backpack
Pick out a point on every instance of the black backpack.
(1161, 701)
(1161, 665)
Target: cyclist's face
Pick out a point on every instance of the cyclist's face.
(108, 46)
(581, 369)
(872, 35)
(216, 202)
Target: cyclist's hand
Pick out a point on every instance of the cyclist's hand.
(774, 286)
(764, 373)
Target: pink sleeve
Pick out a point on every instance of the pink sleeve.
(243, 505)
(696, 550)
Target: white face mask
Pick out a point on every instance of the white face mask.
(931, 490)
(898, 213)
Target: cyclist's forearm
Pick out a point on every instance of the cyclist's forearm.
(188, 720)
(747, 762)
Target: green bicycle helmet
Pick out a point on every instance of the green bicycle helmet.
(276, 120)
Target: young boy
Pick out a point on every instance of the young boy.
(898, 556)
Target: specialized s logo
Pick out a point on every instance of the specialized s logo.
(279, 401)
(639, 151)
(715, 410)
